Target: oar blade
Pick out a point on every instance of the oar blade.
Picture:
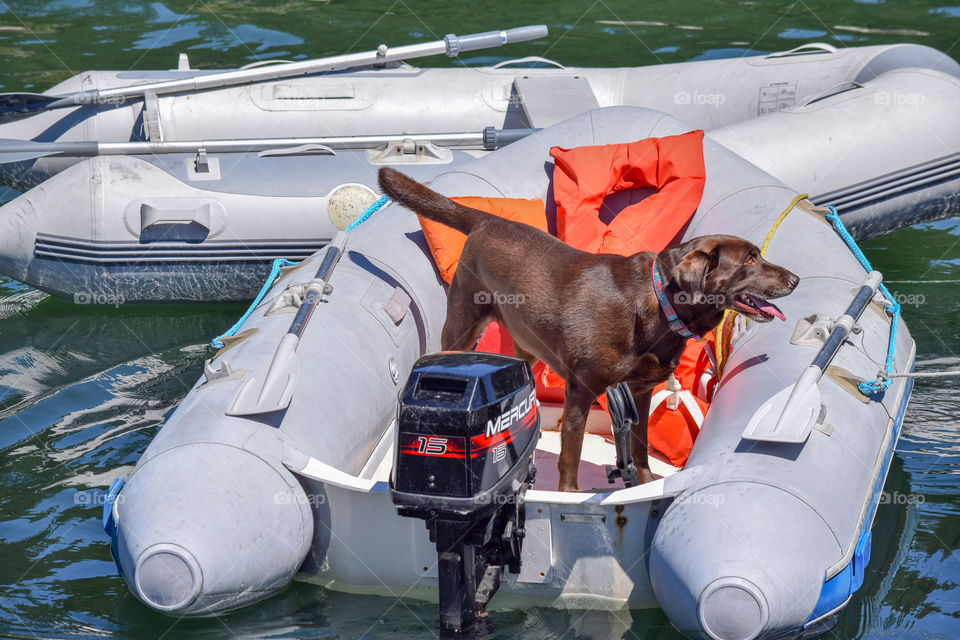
(22, 156)
(22, 150)
(787, 417)
(15, 106)
(271, 387)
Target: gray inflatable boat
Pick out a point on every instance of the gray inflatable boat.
(277, 463)
(871, 130)
(370, 93)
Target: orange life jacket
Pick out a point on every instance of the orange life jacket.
(584, 176)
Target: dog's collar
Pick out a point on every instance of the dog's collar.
(676, 324)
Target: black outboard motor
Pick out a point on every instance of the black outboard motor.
(468, 425)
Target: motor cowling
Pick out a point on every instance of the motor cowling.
(467, 428)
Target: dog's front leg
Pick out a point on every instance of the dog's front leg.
(576, 406)
(638, 436)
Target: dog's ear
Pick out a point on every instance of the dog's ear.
(692, 271)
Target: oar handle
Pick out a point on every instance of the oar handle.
(623, 413)
(491, 39)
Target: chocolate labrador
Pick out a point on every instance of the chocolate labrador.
(596, 320)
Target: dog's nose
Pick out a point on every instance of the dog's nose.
(793, 280)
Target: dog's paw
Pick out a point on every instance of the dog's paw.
(645, 476)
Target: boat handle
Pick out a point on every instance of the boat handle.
(152, 217)
(506, 63)
(300, 150)
(804, 49)
(836, 89)
(264, 63)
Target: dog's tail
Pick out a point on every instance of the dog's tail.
(428, 203)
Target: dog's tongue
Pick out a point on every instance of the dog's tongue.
(767, 307)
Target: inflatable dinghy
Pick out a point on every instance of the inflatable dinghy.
(371, 93)
(277, 464)
(205, 226)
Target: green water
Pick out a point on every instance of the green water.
(83, 390)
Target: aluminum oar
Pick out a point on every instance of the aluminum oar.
(14, 106)
(271, 387)
(25, 150)
(791, 413)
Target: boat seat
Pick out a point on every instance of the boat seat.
(547, 100)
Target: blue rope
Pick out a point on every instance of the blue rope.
(372, 209)
(871, 387)
(275, 269)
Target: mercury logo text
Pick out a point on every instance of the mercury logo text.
(517, 412)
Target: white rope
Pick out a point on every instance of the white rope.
(926, 374)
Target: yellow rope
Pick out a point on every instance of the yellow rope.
(721, 353)
(780, 218)
(729, 315)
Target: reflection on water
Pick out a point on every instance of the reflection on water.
(83, 390)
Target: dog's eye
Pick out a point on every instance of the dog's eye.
(751, 260)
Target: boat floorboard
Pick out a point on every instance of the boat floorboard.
(598, 451)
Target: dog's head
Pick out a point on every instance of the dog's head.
(727, 272)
